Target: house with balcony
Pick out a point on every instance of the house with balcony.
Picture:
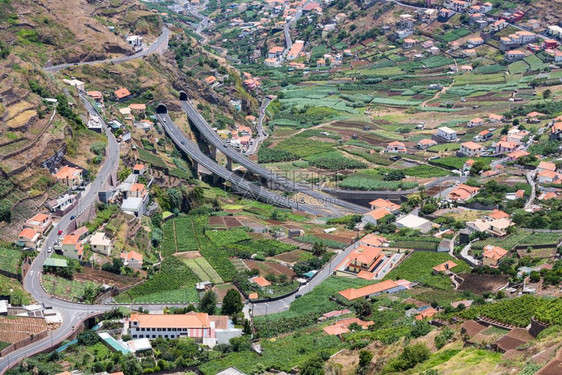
(396, 148)
(69, 176)
(40, 223)
(28, 239)
(447, 134)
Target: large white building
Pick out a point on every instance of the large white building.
(206, 329)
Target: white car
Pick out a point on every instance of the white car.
(50, 250)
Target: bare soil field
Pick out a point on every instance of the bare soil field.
(290, 257)
(269, 268)
(482, 283)
(103, 277)
(14, 329)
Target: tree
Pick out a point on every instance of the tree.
(546, 94)
(363, 309)
(394, 175)
(232, 303)
(319, 248)
(313, 366)
(535, 276)
(365, 358)
(208, 303)
(429, 209)
(131, 365)
(420, 329)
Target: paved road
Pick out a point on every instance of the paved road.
(279, 181)
(72, 313)
(283, 304)
(262, 135)
(249, 189)
(159, 46)
(529, 176)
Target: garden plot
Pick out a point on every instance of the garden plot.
(201, 267)
(266, 268)
(239, 265)
(68, 289)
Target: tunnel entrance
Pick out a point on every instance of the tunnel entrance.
(161, 109)
(183, 96)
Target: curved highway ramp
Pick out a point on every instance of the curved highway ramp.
(243, 186)
(209, 134)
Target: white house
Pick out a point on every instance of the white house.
(471, 148)
(447, 133)
(100, 243)
(132, 259)
(414, 222)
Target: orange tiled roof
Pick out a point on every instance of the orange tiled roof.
(498, 214)
(28, 233)
(378, 213)
(66, 172)
(189, 320)
(261, 281)
(494, 252)
(122, 93)
(352, 294)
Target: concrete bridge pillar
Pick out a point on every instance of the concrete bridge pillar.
(229, 164)
(213, 150)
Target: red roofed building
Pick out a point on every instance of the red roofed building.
(444, 267)
(374, 216)
(132, 259)
(122, 93)
(387, 286)
(512, 156)
(364, 258)
(396, 147)
(503, 147)
(372, 240)
(69, 176)
(28, 238)
(72, 247)
(262, 282)
(462, 193)
(342, 326)
(427, 313)
(498, 214)
(492, 255)
(39, 223)
(383, 203)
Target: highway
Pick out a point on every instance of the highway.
(159, 46)
(250, 189)
(212, 137)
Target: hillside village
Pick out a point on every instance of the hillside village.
(412, 148)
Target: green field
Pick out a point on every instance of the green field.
(520, 238)
(68, 289)
(175, 282)
(14, 289)
(418, 267)
(10, 260)
(203, 269)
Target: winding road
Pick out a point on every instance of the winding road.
(159, 46)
